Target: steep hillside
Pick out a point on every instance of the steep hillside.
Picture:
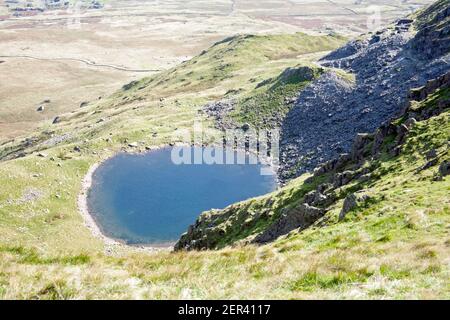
(398, 172)
(372, 223)
(386, 65)
(394, 245)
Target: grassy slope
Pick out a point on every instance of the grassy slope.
(237, 64)
(46, 251)
(394, 247)
(268, 104)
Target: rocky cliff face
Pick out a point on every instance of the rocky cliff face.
(331, 111)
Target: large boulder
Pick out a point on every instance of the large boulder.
(351, 202)
(444, 168)
(301, 217)
(360, 144)
(384, 131)
(299, 74)
(402, 132)
(342, 178)
(317, 199)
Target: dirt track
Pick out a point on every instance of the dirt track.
(85, 61)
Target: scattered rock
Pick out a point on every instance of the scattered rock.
(402, 132)
(376, 38)
(218, 111)
(444, 168)
(300, 217)
(351, 202)
(432, 154)
(317, 199)
(404, 21)
(410, 123)
(395, 152)
(289, 101)
(428, 165)
(382, 132)
(40, 109)
(30, 195)
(365, 177)
(322, 188)
(333, 165)
(56, 120)
(362, 140)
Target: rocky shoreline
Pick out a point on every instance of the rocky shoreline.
(91, 224)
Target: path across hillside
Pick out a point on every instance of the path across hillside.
(85, 61)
